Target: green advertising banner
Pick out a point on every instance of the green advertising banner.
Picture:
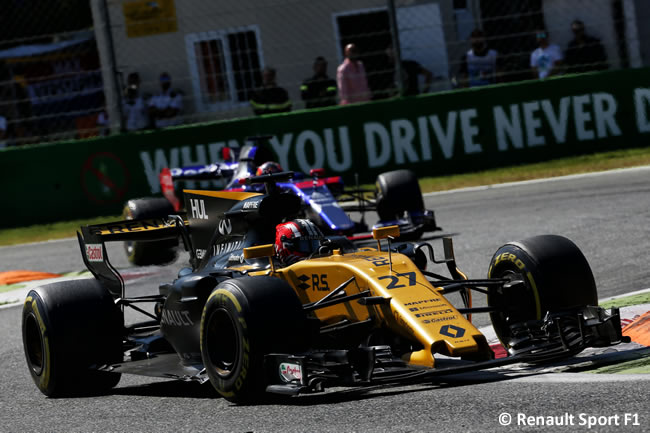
(451, 132)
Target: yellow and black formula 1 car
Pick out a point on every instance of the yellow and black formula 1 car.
(343, 317)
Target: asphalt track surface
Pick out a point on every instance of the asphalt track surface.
(606, 215)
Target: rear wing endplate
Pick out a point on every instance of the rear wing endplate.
(93, 250)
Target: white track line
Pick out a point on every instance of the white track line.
(50, 241)
(625, 295)
(552, 377)
(544, 180)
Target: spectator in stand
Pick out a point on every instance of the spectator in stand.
(351, 78)
(411, 71)
(585, 53)
(480, 66)
(103, 128)
(270, 98)
(165, 108)
(320, 89)
(101, 122)
(134, 108)
(4, 142)
(133, 79)
(23, 129)
(546, 60)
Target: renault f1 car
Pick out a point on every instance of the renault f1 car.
(345, 316)
(397, 199)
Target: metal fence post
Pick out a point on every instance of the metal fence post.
(112, 88)
(397, 52)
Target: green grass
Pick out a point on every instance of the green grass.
(635, 366)
(559, 167)
(643, 298)
(44, 232)
(10, 288)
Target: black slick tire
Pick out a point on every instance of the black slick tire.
(69, 329)
(397, 192)
(556, 276)
(243, 320)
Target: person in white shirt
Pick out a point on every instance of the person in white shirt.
(134, 110)
(480, 65)
(165, 108)
(547, 59)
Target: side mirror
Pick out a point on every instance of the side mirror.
(259, 252)
(390, 233)
(226, 154)
(317, 172)
(385, 232)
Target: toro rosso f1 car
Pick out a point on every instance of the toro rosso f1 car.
(397, 199)
(343, 316)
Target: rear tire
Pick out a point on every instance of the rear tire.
(243, 320)
(151, 252)
(70, 328)
(556, 275)
(397, 192)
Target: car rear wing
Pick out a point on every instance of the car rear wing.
(148, 229)
(92, 240)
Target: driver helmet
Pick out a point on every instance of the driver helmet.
(268, 167)
(296, 240)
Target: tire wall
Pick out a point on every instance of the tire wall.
(451, 132)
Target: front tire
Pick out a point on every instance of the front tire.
(243, 320)
(69, 329)
(397, 192)
(556, 276)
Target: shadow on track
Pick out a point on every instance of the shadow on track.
(172, 389)
(180, 389)
(599, 358)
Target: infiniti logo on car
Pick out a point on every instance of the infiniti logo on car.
(225, 227)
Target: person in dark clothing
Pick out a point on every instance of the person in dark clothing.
(584, 53)
(411, 71)
(320, 89)
(270, 98)
(4, 137)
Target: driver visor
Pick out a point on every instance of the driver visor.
(305, 245)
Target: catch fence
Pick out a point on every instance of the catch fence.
(76, 69)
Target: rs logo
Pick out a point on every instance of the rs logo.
(225, 227)
(319, 282)
(198, 209)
